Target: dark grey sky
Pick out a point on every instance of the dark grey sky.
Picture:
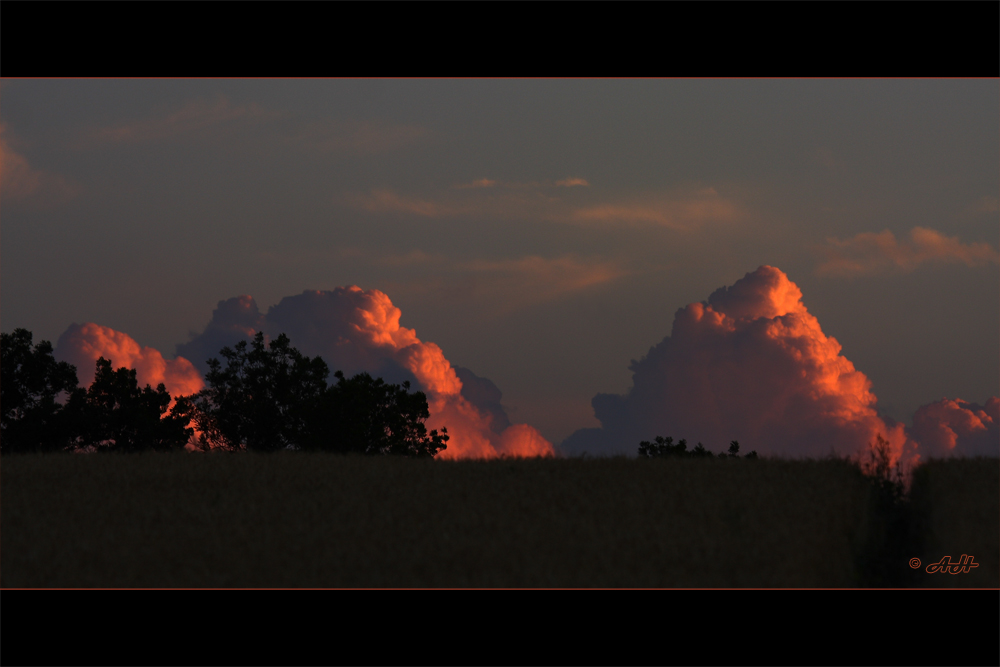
(543, 233)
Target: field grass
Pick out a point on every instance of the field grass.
(320, 520)
(958, 512)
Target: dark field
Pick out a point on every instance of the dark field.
(314, 520)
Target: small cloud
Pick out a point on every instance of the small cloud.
(19, 180)
(192, 117)
(359, 138)
(534, 279)
(481, 183)
(868, 253)
(987, 204)
(573, 182)
(953, 427)
(681, 212)
(387, 201)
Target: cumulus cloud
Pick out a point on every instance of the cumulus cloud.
(749, 364)
(83, 344)
(232, 320)
(953, 427)
(356, 331)
(869, 253)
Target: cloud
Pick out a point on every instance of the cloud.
(232, 320)
(387, 201)
(327, 136)
(482, 197)
(953, 427)
(481, 183)
(680, 211)
(83, 344)
(869, 253)
(987, 204)
(533, 185)
(513, 283)
(476, 200)
(19, 180)
(749, 364)
(358, 137)
(194, 116)
(356, 331)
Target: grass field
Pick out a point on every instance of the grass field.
(315, 520)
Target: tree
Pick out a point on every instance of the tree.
(30, 382)
(366, 415)
(115, 414)
(261, 399)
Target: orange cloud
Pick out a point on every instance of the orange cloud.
(83, 344)
(869, 253)
(750, 364)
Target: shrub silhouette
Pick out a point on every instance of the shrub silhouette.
(665, 448)
(892, 535)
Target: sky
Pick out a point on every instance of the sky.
(540, 240)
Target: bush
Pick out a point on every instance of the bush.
(665, 448)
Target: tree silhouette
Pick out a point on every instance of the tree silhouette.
(30, 382)
(265, 398)
(366, 415)
(116, 415)
(261, 399)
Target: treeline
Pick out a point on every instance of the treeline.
(263, 398)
